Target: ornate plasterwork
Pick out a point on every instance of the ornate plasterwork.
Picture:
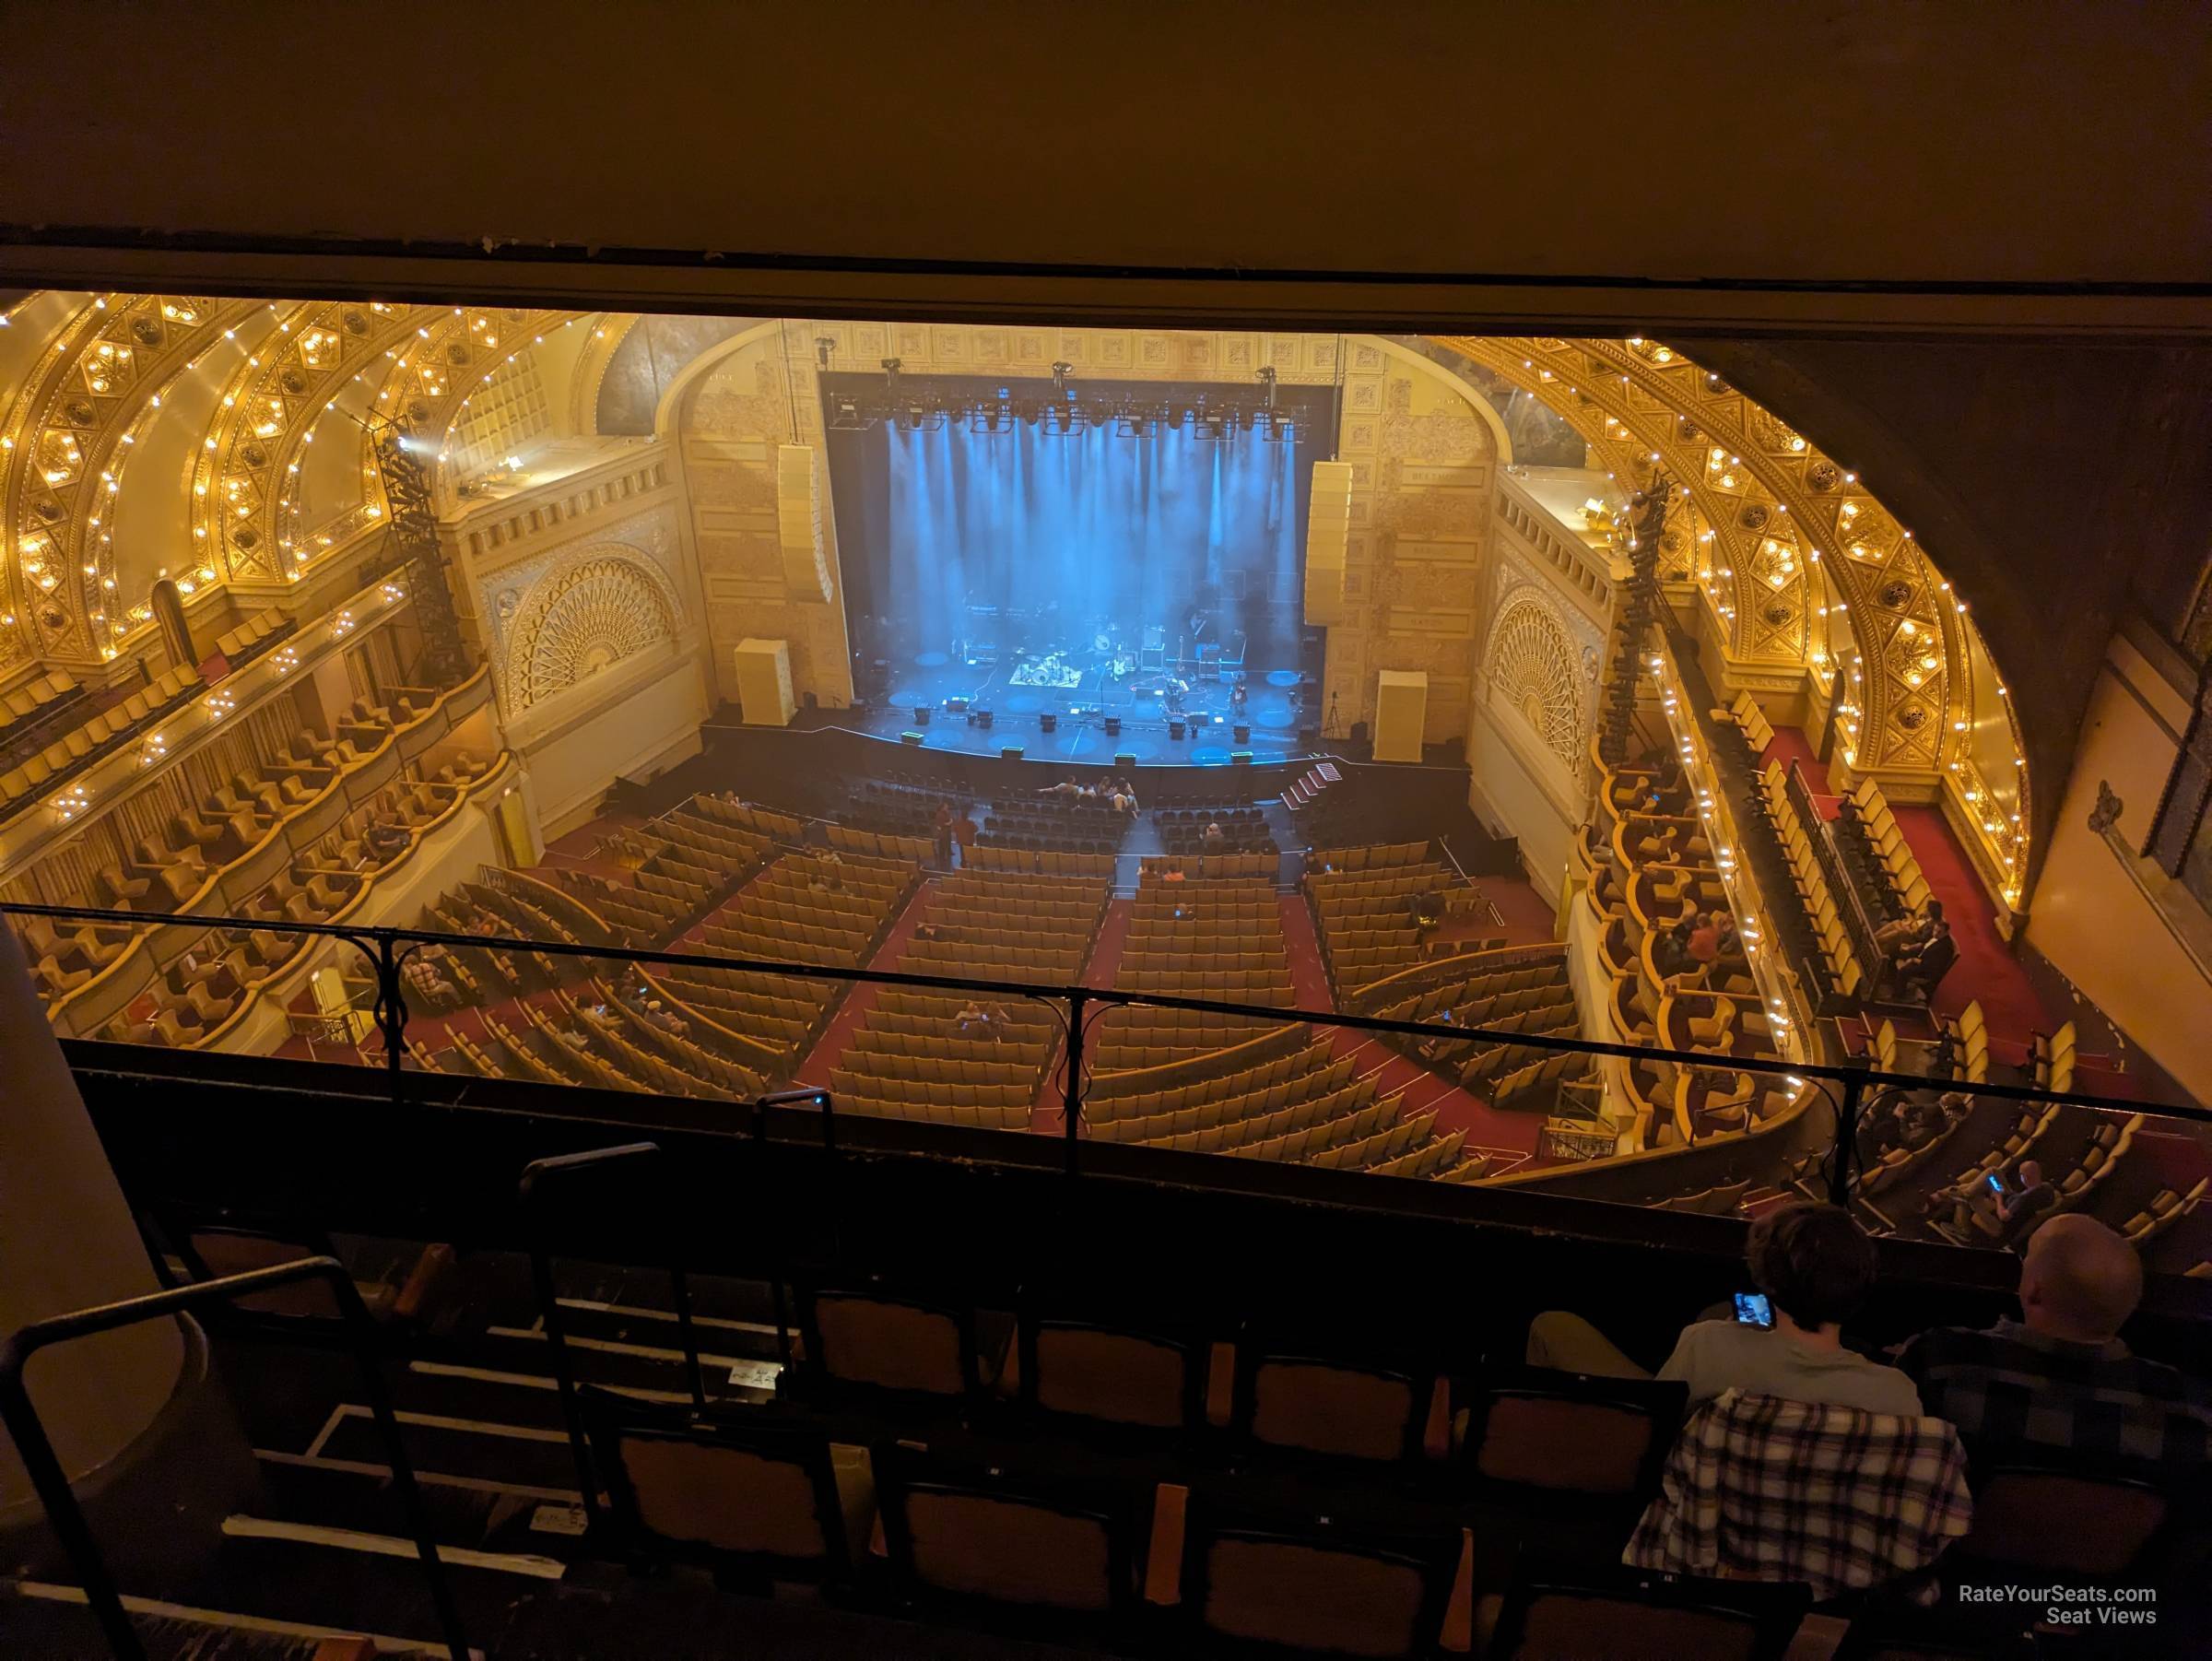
(1534, 670)
(600, 606)
(1768, 513)
(590, 607)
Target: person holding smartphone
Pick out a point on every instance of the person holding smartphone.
(1813, 1268)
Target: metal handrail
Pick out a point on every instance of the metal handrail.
(20, 1416)
(389, 948)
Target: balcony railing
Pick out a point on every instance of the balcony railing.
(1732, 1114)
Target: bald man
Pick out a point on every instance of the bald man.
(2059, 1377)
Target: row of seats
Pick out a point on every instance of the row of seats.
(1373, 921)
(253, 637)
(1849, 976)
(1043, 862)
(35, 704)
(92, 740)
(1872, 839)
(981, 925)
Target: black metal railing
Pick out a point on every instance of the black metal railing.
(50, 1482)
(1849, 1090)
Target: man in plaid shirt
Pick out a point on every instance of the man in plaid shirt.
(2059, 1378)
(1760, 1488)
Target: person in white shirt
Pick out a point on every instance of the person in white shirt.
(1815, 1267)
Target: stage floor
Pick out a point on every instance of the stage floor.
(933, 680)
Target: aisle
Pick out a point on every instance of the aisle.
(1509, 1138)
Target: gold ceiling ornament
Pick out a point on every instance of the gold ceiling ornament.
(69, 440)
(325, 374)
(1762, 493)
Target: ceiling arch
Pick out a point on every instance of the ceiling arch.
(1776, 531)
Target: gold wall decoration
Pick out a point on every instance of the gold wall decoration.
(586, 616)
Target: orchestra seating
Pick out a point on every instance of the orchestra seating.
(1286, 1097)
(686, 862)
(893, 810)
(826, 909)
(1372, 920)
(1219, 937)
(1043, 821)
(1243, 829)
(913, 1055)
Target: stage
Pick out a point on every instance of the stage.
(955, 692)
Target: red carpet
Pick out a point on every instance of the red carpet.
(1509, 1138)
(1986, 971)
(830, 1049)
(1106, 949)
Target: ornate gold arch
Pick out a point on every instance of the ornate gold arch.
(1768, 509)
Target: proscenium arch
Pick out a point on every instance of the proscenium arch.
(1765, 505)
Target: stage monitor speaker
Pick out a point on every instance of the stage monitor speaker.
(1009, 752)
(956, 706)
(920, 714)
(763, 672)
(910, 736)
(1113, 726)
(1240, 758)
(1048, 722)
(1122, 758)
(1241, 733)
(1401, 712)
(1175, 728)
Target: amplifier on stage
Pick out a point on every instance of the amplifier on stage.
(920, 714)
(1175, 727)
(957, 706)
(982, 716)
(1113, 726)
(1048, 722)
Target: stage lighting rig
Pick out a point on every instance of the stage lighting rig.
(823, 346)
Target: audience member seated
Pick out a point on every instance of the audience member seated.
(2002, 1213)
(2059, 1377)
(1815, 1269)
(1827, 1495)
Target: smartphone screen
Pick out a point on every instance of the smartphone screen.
(1752, 1309)
(1996, 1183)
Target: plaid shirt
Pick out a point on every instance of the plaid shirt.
(2012, 1386)
(1759, 1488)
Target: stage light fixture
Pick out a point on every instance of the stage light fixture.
(891, 368)
(845, 417)
(1060, 375)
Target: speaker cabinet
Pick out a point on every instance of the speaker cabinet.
(920, 714)
(1241, 733)
(1048, 722)
(1176, 727)
(1009, 752)
(1113, 726)
(1122, 758)
(1401, 711)
(763, 672)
